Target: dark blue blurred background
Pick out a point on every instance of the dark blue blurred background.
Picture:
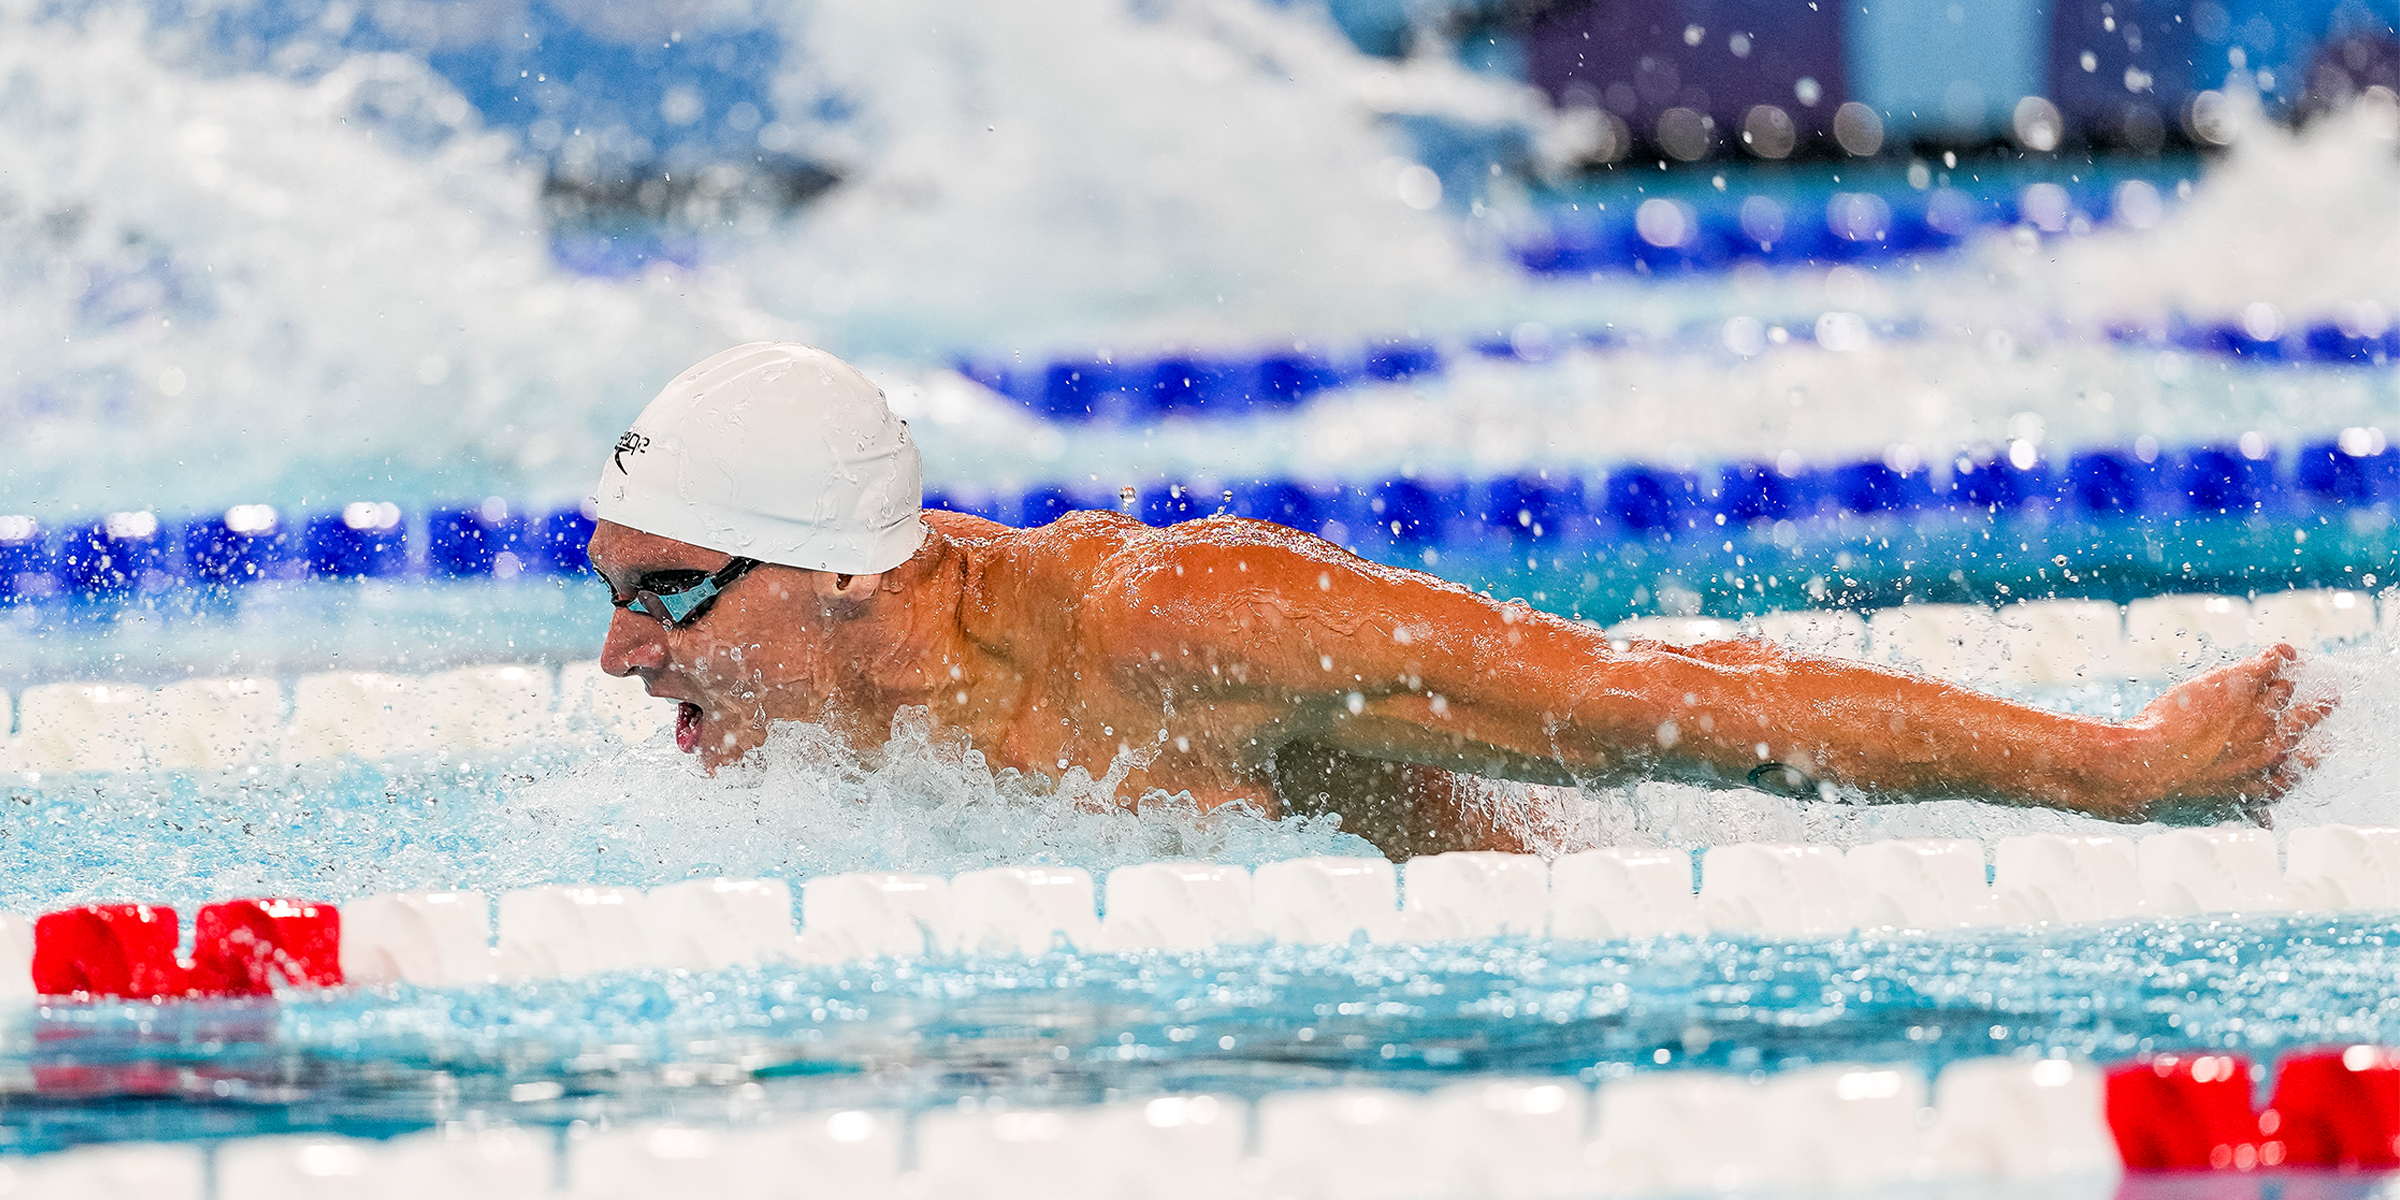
(616, 96)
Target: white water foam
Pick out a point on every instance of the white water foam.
(2292, 219)
(2297, 221)
(1913, 403)
(2353, 782)
(806, 804)
(1078, 174)
(227, 289)
(234, 287)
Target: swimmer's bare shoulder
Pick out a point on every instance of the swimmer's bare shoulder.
(1023, 583)
(1223, 585)
(1114, 579)
(1291, 627)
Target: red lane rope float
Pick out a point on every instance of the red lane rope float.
(2188, 1112)
(107, 950)
(240, 948)
(247, 947)
(2338, 1109)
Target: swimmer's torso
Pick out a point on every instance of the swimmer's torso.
(1099, 637)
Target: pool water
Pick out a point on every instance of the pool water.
(1066, 1029)
(280, 258)
(1062, 1028)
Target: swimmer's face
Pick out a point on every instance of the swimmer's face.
(761, 652)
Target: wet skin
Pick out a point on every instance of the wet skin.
(1253, 662)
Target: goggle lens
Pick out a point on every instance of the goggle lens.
(678, 598)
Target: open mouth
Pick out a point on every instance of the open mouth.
(687, 726)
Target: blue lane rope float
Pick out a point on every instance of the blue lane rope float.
(1634, 499)
(128, 553)
(1249, 384)
(1673, 230)
(1630, 504)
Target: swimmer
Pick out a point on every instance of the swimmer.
(761, 534)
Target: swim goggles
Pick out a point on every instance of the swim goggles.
(678, 598)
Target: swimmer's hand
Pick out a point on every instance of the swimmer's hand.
(2227, 742)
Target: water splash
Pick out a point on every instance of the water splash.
(2353, 780)
(235, 288)
(805, 804)
(1194, 172)
(927, 801)
(240, 286)
(2287, 230)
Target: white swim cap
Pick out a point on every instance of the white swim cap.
(772, 451)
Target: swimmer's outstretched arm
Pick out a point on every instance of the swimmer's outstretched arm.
(2219, 741)
(1396, 664)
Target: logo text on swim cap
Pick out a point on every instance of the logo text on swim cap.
(631, 442)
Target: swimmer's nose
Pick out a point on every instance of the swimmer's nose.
(633, 644)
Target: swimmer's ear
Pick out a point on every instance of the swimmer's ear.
(835, 590)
